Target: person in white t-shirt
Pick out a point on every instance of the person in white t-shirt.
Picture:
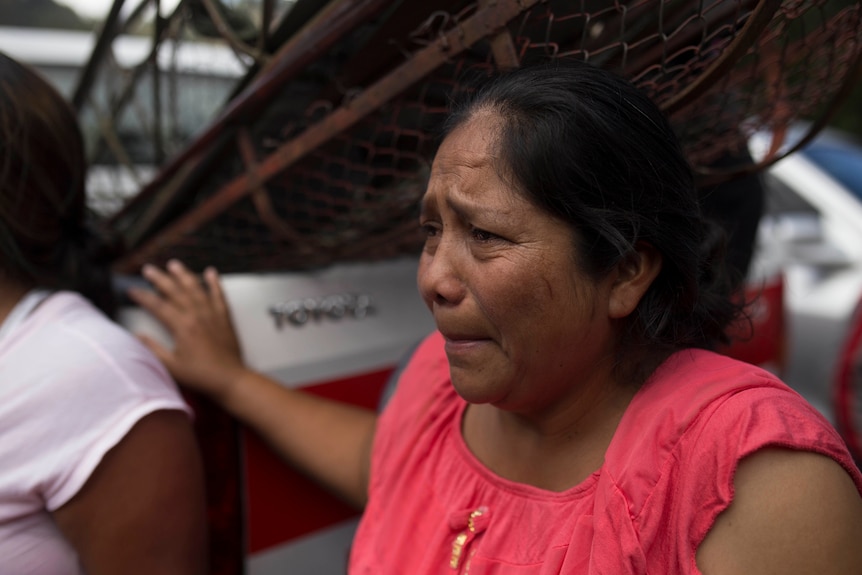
(99, 469)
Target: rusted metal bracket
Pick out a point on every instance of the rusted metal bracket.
(259, 195)
(502, 45)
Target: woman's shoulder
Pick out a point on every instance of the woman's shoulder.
(72, 310)
(67, 338)
(686, 433)
(72, 318)
(792, 512)
(702, 412)
(692, 384)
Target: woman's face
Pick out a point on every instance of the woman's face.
(524, 327)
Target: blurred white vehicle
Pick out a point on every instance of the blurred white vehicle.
(812, 233)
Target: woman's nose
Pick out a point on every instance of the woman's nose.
(439, 278)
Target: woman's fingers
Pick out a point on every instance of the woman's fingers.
(176, 284)
(221, 312)
(165, 284)
(178, 293)
(216, 294)
(206, 354)
(187, 284)
(156, 305)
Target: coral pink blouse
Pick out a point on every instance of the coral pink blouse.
(668, 472)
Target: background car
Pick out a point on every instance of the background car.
(811, 234)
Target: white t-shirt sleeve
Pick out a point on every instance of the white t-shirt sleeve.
(120, 393)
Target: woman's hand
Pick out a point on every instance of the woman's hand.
(206, 356)
(327, 439)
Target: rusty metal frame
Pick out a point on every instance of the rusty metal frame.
(709, 177)
(226, 32)
(103, 43)
(484, 23)
(110, 29)
(751, 30)
(149, 63)
(260, 197)
(487, 21)
(502, 45)
(318, 36)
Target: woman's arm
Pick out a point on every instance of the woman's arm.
(143, 510)
(793, 513)
(329, 440)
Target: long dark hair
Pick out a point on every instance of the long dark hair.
(47, 235)
(588, 147)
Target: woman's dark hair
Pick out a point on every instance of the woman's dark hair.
(588, 147)
(47, 236)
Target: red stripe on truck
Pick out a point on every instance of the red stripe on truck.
(281, 503)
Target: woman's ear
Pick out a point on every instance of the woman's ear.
(635, 274)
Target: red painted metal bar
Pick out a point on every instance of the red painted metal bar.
(484, 23)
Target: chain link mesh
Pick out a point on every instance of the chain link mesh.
(723, 70)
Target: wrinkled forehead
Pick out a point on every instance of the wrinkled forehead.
(475, 143)
(483, 125)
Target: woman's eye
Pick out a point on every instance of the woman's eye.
(482, 236)
(429, 229)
